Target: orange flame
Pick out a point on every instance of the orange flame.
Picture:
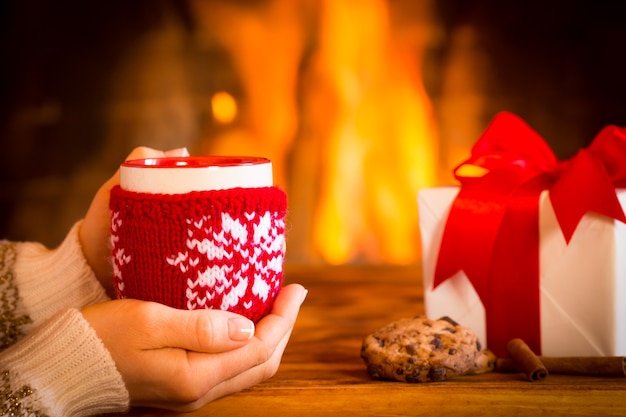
(381, 150)
(375, 134)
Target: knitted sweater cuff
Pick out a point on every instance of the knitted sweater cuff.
(65, 369)
(52, 280)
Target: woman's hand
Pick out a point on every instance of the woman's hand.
(95, 232)
(181, 360)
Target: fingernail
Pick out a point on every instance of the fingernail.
(240, 329)
(304, 294)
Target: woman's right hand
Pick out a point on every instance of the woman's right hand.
(181, 360)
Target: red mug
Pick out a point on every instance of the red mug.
(199, 232)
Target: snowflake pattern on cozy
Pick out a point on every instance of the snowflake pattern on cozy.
(214, 249)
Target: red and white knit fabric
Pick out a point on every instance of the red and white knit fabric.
(220, 249)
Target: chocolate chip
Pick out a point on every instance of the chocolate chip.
(449, 320)
(437, 374)
(411, 349)
(436, 342)
(374, 370)
(413, 377)
(380, 342)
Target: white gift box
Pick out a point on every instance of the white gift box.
(582, 284)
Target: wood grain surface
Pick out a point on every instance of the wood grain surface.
(323, 375)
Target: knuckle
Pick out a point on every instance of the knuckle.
(188, 394)
(264, 353)
(140, 151)
(184, 387)
(204, 330)
(141, 314)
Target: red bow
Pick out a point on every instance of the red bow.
(492, 231)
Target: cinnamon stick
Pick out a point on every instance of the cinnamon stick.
(530, 363)
(607, 366)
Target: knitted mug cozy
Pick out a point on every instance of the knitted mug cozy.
(221, 249)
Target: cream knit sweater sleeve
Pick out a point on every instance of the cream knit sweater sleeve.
(51, 361)
(51, 280)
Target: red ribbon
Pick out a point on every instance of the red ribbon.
(492, 231)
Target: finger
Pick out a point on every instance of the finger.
(214, 331)
(289, 300)
(206, 331)
(239, 381)
(272, 334)
(283, 316)
(177, 152)
(237, 370)
(249, 377)
(137, 153)
(141, 152)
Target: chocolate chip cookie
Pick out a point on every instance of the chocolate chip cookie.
(424, 350)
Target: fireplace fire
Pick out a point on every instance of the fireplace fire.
(340, 107)
(358, 103)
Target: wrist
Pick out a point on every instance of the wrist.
(67, 369)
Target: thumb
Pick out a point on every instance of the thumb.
(209, 331)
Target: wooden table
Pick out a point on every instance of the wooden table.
(323, 375)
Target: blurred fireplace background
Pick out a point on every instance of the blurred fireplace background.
(359, 103)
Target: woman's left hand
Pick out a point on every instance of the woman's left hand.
(95, 232)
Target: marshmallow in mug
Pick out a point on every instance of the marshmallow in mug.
(199, 232)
